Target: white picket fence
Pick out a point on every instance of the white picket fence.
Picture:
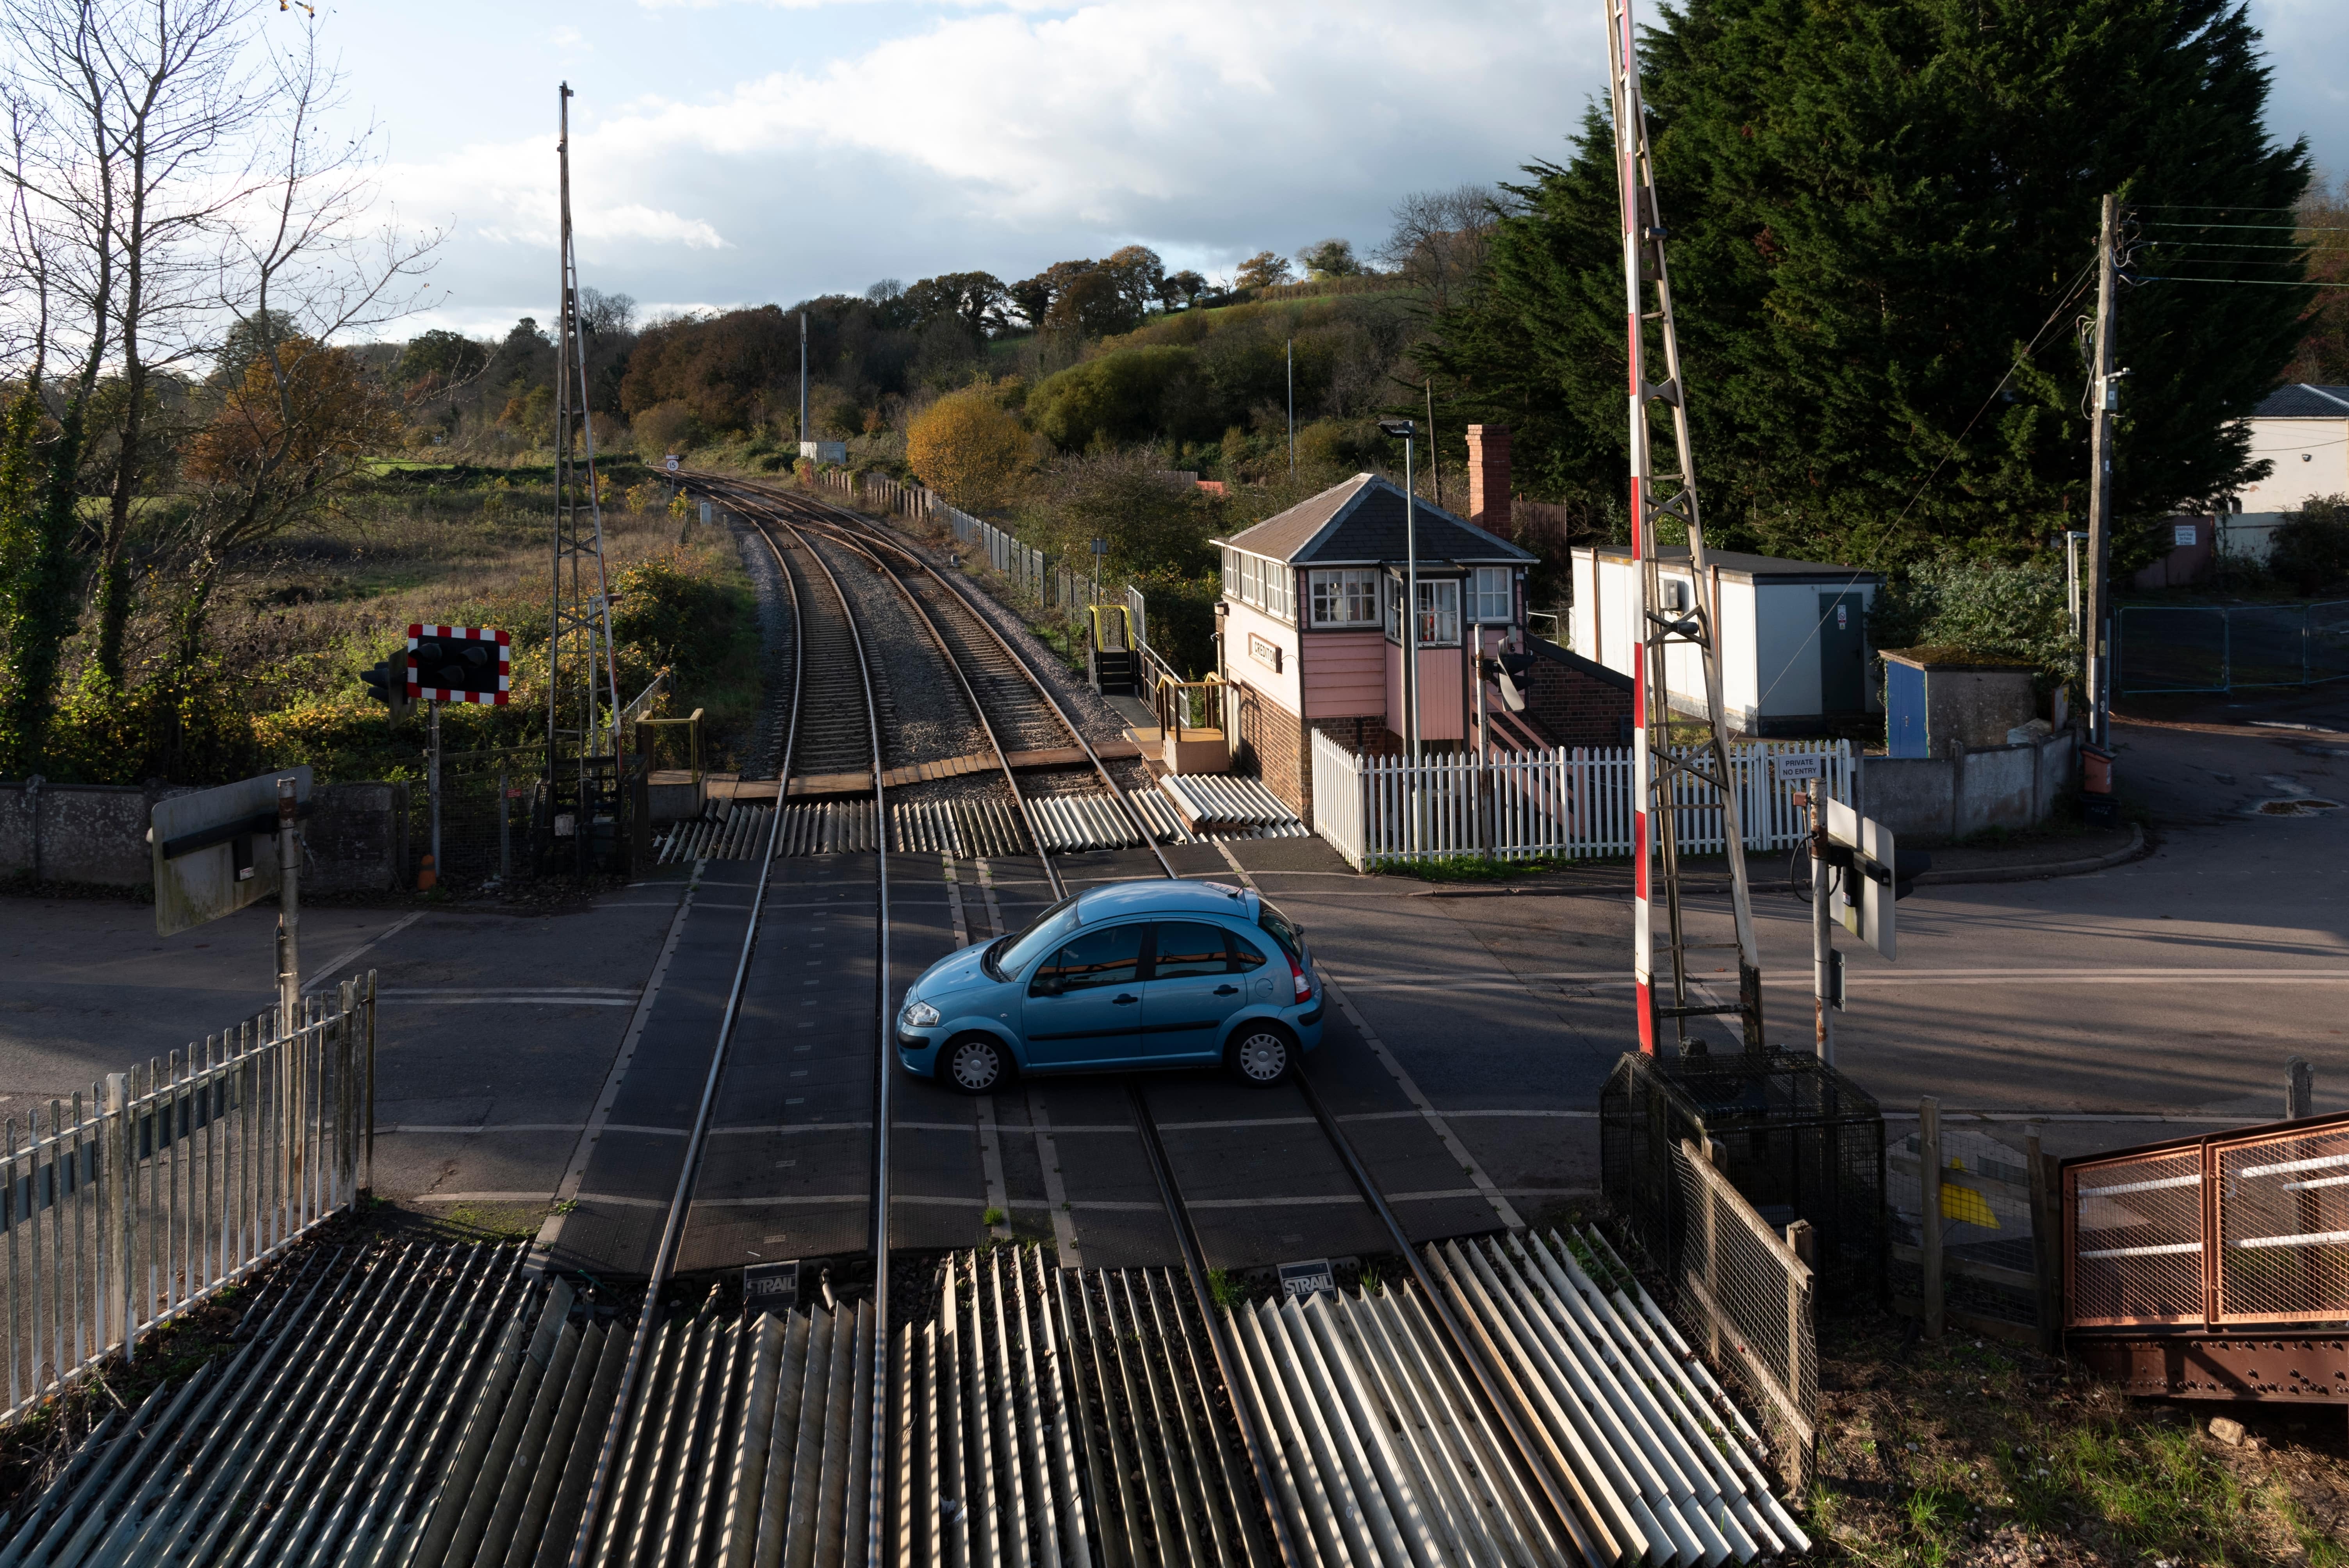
(1572, 803)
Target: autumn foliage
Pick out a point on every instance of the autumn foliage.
(968, 448)
(313, 409)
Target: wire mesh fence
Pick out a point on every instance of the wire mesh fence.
(1984, 1225)
(2217, 648)
(1749, 1300)
(1799, 1139)
(488, 810)
(168, 1182)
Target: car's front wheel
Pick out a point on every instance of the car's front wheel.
(975, 1063)
(1261, 1054)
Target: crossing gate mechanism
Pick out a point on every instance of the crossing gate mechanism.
(1664, 773)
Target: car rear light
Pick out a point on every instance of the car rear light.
(1303, 981)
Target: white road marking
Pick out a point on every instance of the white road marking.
(1475, 1172)
(550, 1235)
(332, 967)
(1878, 979)
(480, 1197)
(1056, 1192)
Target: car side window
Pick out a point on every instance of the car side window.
(1189, 948)
(1111, 956)
(1245, 956)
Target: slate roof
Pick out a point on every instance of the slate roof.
(2302, 401)
(1361, 522)
(1737, 563)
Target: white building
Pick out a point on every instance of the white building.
(2303, 433)
(1795, 653)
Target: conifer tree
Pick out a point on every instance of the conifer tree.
(1883, 218)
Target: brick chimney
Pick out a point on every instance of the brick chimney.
(1488, 480)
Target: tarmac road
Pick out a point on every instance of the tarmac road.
(2154, 998)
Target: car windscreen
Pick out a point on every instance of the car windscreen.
(1012, 953)
(1281, 929)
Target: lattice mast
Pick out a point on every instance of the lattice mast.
(1669, 779)
(579, 650)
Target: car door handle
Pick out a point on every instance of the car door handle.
(1122, 1000)
(1226, 990)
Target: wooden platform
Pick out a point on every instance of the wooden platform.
(950, 768)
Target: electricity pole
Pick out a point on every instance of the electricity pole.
(2103, 391)
(803, 424)
(1292, 410)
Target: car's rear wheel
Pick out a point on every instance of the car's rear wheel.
(1261, 1054)
(975, 1063)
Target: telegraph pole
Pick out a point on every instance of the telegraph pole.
(804, 425)
(2103, 391)
(1292, 410)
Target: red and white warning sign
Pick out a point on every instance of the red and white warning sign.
(460, 663)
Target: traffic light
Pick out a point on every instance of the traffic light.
(458, 663)
(386, 683)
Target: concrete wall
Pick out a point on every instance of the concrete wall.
(357, 836)
(1940, 799)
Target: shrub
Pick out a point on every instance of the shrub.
(966, 447)
(664, 428)
(2017, 611)
(2311, 546)
(675, 618)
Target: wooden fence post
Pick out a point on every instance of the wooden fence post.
(1929, 1239)
(1805, 1242)
(1712, 1252)
(2046, 1241)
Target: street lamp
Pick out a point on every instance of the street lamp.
(1406, 430)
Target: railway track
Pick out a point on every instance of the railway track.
(1509, 1403)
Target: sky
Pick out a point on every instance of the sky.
(726, 152)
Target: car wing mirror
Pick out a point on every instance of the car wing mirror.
(1047, 986)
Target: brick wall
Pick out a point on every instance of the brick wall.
(1575, 701)
(1278, 746)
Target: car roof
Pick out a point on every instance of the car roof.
(1161, 896)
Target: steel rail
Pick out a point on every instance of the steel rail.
(962, 678)
(673, 1222)
(878, 1245)
(1553, 1480)
(1117, 792)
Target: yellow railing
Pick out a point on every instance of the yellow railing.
(692, 722)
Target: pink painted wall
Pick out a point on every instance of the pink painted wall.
(1440, 694)
(1345, 674)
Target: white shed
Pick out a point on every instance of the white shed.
(1795, 653)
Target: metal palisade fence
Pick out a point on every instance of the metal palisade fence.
(125, 1209)
(2210, 648)
(1571, 802)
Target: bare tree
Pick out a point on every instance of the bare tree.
(1440, 238)
(303, 263)
(143, 109)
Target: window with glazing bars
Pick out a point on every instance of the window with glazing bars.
(1345, 598)
(1492, 598)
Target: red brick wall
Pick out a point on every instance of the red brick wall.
(1575, 707)
(1278, 746)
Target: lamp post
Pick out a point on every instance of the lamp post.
(1406, 430)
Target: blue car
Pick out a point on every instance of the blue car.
(1134, 974)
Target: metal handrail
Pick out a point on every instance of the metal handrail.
(692, 722)
(1167, 700)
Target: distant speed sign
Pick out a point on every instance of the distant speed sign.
(460, 663)
(672, 462)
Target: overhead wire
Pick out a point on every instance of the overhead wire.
(2030, 352)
